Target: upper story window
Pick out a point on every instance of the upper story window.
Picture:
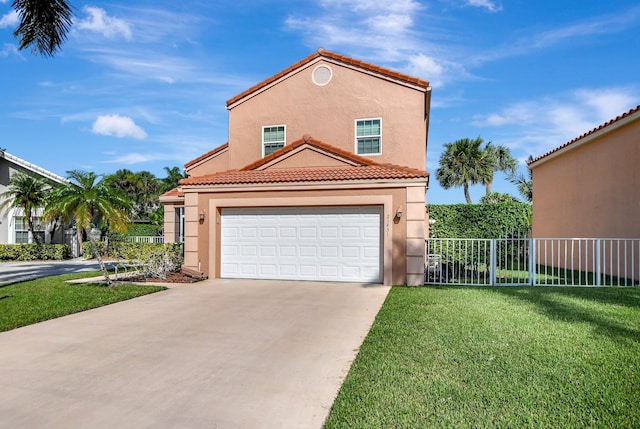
(369, 136)
(273, 138)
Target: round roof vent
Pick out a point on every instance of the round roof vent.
(322, 75)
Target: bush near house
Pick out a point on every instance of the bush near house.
(33, 252)
(156, 260)
(495, 220)
(133, 251)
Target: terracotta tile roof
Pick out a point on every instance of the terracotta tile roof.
(174, 193)
(336, 57)
(206, 155)
(308, 140)
(326, 174)
(577, 139)
(365, 170)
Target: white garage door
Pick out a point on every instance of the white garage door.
(318, 243)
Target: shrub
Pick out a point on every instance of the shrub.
(32, 252)
(157, 259)
(497, 220)
(144, 229)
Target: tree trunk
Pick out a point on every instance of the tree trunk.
(32, 229)
(96, 253)
(487, 187)
(466, 193)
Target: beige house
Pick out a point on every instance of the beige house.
(322, 179)
(590, 186)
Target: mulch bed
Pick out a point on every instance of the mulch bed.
(179, 277)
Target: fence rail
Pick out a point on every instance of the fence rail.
(533, 261)
(142, 239)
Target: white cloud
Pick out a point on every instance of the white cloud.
(9, 19)
(491, 6)
(538, 126)
(118, 126)
(99, 22)
(9, 49)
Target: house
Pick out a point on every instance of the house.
(590, 186)
(13, 228)
(322, 178)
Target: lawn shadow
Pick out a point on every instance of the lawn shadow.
(545, 299)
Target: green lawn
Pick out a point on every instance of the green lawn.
(476, 357)
(43, 299)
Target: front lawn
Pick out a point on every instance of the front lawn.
(544, 357)
(43, 299)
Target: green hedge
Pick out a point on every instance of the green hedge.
(498, 220)
(144, 229)
(33, 252)
(142, 252)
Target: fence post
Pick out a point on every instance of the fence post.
(598, 262)
(532, 267)
(493, 262)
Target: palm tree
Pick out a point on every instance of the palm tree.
(27, 193)
(43, 23)
(172, 180)
(524, 183)
(89, 200)
(501, 160)
(463, 163)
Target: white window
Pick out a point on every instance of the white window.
(369, 136)
(273, 138)
(21, 228)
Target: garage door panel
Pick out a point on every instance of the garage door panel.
(327, 243)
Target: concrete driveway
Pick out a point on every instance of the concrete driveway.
(217, 354)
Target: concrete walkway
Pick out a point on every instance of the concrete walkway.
(217, 354)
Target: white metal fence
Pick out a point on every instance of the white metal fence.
(142, 239)
(533, 261)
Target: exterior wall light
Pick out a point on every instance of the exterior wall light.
(201, 217)
(398, 212)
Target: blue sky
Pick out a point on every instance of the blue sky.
(143, 84)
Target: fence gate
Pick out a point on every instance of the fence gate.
(529, 261)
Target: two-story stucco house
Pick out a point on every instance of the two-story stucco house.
(13, 228)
(322, 178)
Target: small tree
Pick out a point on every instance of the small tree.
(89, 201)
(27, 193)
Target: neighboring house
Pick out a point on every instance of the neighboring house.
(13, 228)
(590, 186)
(322, 178)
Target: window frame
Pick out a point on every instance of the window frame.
(284, 141)
(379, 136)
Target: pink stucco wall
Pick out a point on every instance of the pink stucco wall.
(328, 114)
(591, 191)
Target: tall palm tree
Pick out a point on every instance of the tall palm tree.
(89, 200)
(501, 160)
(463, 163)
(27, 193)
(43, 24)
